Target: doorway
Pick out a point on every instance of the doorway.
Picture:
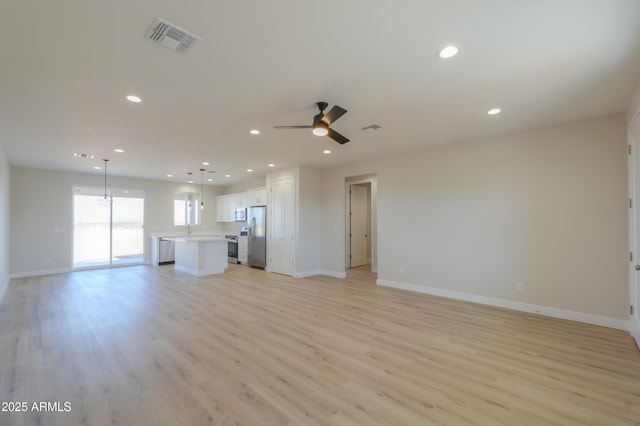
(107, 231)
(361, 196)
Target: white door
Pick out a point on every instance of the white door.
(282, 220)
(358, 208)
(634, 185)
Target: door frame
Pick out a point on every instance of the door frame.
(373, 205)
(365, 221)
(633, 171)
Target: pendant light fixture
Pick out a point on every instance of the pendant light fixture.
(105, 178)
(189, 181)
(201, 189)
(106, 199)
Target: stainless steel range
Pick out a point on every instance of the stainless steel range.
(232, 247)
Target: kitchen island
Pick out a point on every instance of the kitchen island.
(200, 255)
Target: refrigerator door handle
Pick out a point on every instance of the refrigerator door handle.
(252, 227)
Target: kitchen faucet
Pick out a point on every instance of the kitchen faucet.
(188, 228)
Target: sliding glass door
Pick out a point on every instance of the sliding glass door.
(107, 231)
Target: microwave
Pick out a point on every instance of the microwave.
(240, 214)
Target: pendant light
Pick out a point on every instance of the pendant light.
(201, 189)
(106, 198)
(189, 181)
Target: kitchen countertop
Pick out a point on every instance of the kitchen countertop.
(169, 234)
(196, 238)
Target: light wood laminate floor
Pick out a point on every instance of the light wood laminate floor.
(149, 346)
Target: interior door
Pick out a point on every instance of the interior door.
(634, 184)
(358, 205)
(282, 217)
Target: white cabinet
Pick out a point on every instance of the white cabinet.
(258, 197)
(243, 250)
(224, 208)
(226, 204)
(241, 200)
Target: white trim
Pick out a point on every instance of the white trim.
(40, 272)
(509, 304)
(3, 289)
(632, 179)
(328, 273)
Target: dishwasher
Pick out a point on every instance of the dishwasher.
(166, 251)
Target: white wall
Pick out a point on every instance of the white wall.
(308, 233)
(546, 207)
(5, 198)
(634, 107)
(41, 215)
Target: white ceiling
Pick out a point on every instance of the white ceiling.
(67, 65)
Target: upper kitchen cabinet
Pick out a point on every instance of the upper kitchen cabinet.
(227, 204)
(241, 200)
(225, 208)
(258, 197)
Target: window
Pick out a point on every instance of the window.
(107, 231)
(186, 208)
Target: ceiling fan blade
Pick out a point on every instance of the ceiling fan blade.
(335, 113)
(337, 137)
(292, 127)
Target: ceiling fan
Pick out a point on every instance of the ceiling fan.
(322, 121)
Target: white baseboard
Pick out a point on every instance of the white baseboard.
(517, 306)
(308, 274)
(41, 272)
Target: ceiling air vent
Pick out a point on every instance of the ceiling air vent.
(171, 37)
(372, 127)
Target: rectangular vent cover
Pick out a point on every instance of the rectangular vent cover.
(372, 127)
(171, 37)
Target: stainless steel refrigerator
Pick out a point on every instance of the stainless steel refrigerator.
(257, 220)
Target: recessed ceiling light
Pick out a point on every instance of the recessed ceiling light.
(97, 167)
(205, 163)
(326, 151)
(494, 111)
(249, 170)
(254, 132)
(120, 150)
(209, 180)
(271, 165)
(447, 52)
(169, 175)
(227, 175)
(134, 99)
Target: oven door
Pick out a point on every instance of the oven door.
(232, 250)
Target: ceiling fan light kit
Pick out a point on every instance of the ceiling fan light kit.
(320, 129)
(322, 123)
